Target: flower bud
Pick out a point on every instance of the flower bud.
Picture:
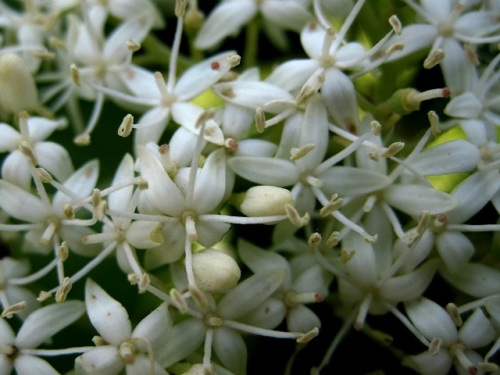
(17, 86)
(215, 271)
(266, 201)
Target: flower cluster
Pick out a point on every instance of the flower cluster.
(339, 166)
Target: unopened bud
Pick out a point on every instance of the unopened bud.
(266, 201)
(215, 271)
(17, 86)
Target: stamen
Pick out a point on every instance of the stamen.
(363, 311)
(333, 205)
(63, 290)
(63, 251)
(435, 346)
(260, 120)
(14, 309)
(178, 301)
(393, 149)
(298, 153)
(75, 75)
(434, 121)
(434, 58)
(126, 126)
(396, 24)
(452, 311)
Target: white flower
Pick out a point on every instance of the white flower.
(19, 351)
(120, 347)
(229, 16)
(49, 155)
(454, 347)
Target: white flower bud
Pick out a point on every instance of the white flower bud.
(17, 86)
(215, 271)
(266, 201)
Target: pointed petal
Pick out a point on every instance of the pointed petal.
(20, 204)
(302, 319)
(266, 171)
(250, 293)
(162, 195)
(81, 183)
(351, 181)
(136, 29)
(47, 321)
(203, 75)
(9, 139)
(142, 365)
(211, 232)
(230, 349)
(432, 320)
(477, 331)
(210, 183)
(184, 339)
(7, 335)
(40, 128)
(454, 248)
(103, 360)
(120, 199)
(286, 14)
(224, 20)
(29, 364)
(107, 315)
(427, 363)
(291, 75)
(413, 199)
(55, 159)
(414, 38)
(154, 327)
(466, 105)
(16, 170)
(477, 280)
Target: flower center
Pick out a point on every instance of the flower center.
(128, 351)
(212, 320)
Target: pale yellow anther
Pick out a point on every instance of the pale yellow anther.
(298, 153)
(375, 128)
(75, 75)
(260, 120)
(396, 24)
(308, 336)
(133, 46)
(43, 296)
(14, 309)
(370, 239)
(314, 240)
(434, 121)
(57, 43)
(126, 126)
(63, 251)
(27, 150)
(333, 239)
(471, 54)
(99, 341)
(178, 301)
(434, 58)
(294, 216)
(82, 139)
(63, 290)
(435, 346)
(346, 256)
(69, 212)
(393, 48)
(393, 149)
(180, 7)
(144, 283)
(453, 312)
(45, 176)
(132, 278)
(333, 205)
(198, 296)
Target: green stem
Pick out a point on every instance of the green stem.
(251, 43)
(156, 53)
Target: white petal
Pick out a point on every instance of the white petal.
(29, 365)
(20, 204)
(73, 235)
(103, 360)
(155, 121)
(81, 183)
(7, 335)
(466, 105)
(16, 169)
(250, 94)
(203, 75)
(187, 115)
(185, 337)
(427, 363)
(17, 294)
(351, 181)
(312, 37)
(451, 157)
(6, 365)
(455, 66)
(339, 94)
(154, 327)
(224, 20)
(268, 315)
(230, 349)
(55, 159)
(362, 267)
(210, 232)
(414, 38)
(473, 193)
(301, 319)
(162, 194)
(107, 315)
(144, 234)
(142, 365)
(266, 171)
(45, 322)
(250, 293)
(9, 139)
(210, 183)
(291, 75)
(286, 14)
(413, 199)
(454, 248)
(140, 82)
(41, 128)
(115, 48)
(120, 199)
(477, 280)
(432, 320)
(477, 331)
